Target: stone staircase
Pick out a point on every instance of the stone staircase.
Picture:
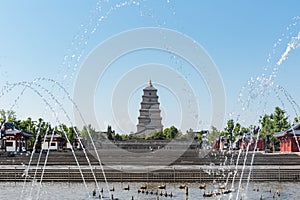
(190, 157)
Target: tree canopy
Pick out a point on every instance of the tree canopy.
(275, 122)
(269, 124)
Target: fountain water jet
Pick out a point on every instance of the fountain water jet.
(43, 170)
(27, 85)
(262, 85)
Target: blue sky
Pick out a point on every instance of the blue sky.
(38, 39)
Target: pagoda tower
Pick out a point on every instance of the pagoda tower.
(149, 119)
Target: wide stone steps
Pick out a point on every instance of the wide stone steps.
(70, 174)
(190, 157)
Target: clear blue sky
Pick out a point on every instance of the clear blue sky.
(39, 38)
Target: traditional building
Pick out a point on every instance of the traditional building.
(60, 142)
(242, 142)
(53, 141)
(13, 139)
(220, 143)
(150, 118)
(250, 139)
(289, 139)
(57, 142)
(78, 143)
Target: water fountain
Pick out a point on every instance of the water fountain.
(261, 87)
(258, 89)
(70, 60)
(29, 85)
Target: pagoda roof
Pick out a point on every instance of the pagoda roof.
(293, 127)
(27, 134)
(9, 125)
(279, 134)
(293, 130)
(55, 135)
(150, 86)
(12, 130)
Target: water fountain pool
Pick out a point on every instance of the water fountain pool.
(255, 93)
(74, 191)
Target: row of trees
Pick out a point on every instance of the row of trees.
(268, 123)
(41, 127)
(38, 126)
(166, 134)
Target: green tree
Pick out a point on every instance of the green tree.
(266, 125)
(198, 137)
(71, 133)
(171, 133)
(118, 137)
(156, 135)
(125, 137)
(280, 120)
(244, 130)
(88, 130)
(296, 120)
(167, 133)
(229, 130)
(27, 125)
(110, 133)
(30, 126)
(7, 115)
(275, 122)
(237, 129)
(213, 135)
